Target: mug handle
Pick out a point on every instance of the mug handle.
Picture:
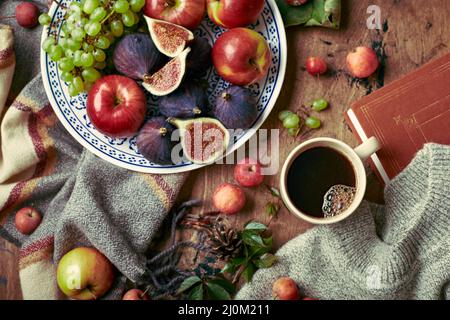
(367, 148)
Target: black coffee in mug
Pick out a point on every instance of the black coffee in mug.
(321, 182)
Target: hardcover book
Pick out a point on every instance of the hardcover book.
(405, 115)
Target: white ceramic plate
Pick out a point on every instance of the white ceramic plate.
(71, 111)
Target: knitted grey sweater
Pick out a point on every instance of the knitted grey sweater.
(397, 251)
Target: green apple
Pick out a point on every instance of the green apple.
(84, 274)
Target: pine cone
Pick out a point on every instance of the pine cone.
(224, 242)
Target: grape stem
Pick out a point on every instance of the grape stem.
(108, 16)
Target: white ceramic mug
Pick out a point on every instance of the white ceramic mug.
(355, 157)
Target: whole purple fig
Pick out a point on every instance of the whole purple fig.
(199, 59)
(136, 56)
(236, 108)
(186, 102)
(154, 141)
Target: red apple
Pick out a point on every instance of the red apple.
(186, 13)
(316, 66)
(27, 14)
(285, 289)
(248, 173)
(27, 220)
(84, 274)
(229, 198)
(234, 13)
(362, 62)
(116, 106)
(135, 294)
(241, 56)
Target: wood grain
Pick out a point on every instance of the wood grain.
(415, 32)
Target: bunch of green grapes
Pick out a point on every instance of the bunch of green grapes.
(88, 30)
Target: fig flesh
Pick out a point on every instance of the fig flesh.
(188, 101)
(169, 38)
(169, 78)
(204, 140)
(136, 56)
(236, 108)
(154, 141)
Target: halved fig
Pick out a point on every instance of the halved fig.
(169, 78)
(204, 140)
(169, 38)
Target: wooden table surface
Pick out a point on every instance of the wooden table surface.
(413, 33)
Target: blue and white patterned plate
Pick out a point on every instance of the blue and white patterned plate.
(71, 111)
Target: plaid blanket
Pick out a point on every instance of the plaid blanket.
(84, 200)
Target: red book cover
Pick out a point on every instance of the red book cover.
(405, 115)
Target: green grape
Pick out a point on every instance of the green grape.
(137, 5)
(117, 28)
(98, 14)
(76, 7)
(102, 42)
(89, 6)
(73, 44)
(93, 28)
(99, 55)
(90, 74)
(291, 121)
(65, 64)
(293, 132)
(67, 76)
(88, 47)
(78, 34)
(284, 114)
(65, 29)
(83, 22)
(136, 18)
(87, 59)
(88, 86)
(121, 6)
(44, 19)
(319, 105)
(56, 52)
(63, 43)
(100, 65)
(72, 90)
(77, 58)
(78, 84)
(73, 19)
(313, 122)
(48, 43)
(128, 18)
(68, 53)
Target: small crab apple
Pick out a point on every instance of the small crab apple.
(296, 2)
(285, 289)
(27, 220)
(229, 198)
(248, 173)
(316, 66)
(27, 14)
(135, 294)
(362, 62)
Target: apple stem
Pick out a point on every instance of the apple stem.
(163, 131)
(226, 96)
(142, 295)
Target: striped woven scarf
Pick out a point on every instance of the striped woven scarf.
(84, 200)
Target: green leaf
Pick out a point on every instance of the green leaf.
(229, 268)
(256, 252)
(188, 283)
(196, 293)
(274, 192)
(294, 15)
(252, 239)
(256, 226)
(216, 292)
(249, 272)
(265, 261)
(224, 283)
(272, 209)
(268, 241)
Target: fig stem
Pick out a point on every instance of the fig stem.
(196, 111)
(163, 131)
(226, 96)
